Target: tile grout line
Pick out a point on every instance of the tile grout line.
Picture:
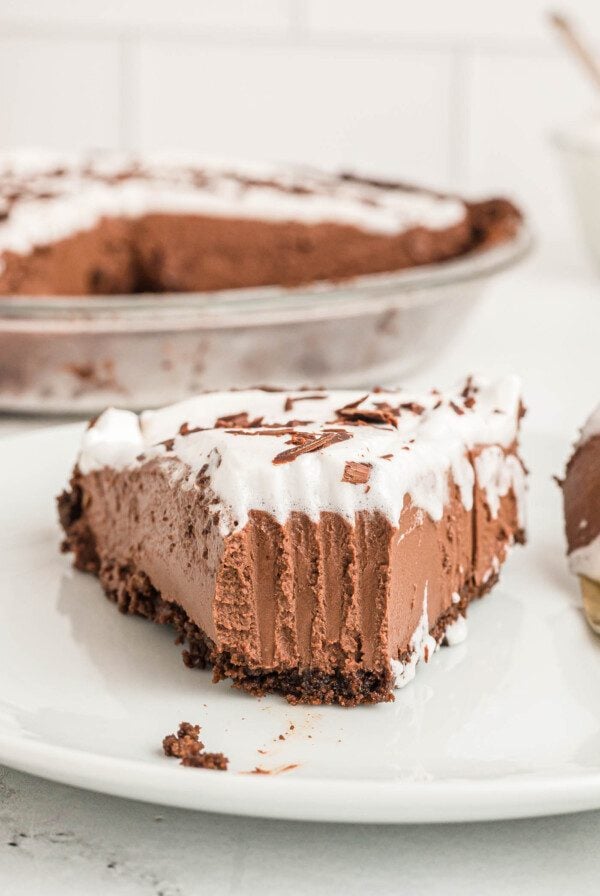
(298, 14)
(126, 101)
(458, 124)
(298, 32)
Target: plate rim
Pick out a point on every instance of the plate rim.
(356, 800)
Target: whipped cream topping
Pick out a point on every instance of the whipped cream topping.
(47, 198)
(591, 427)
(422, 646)
(585, 561)
(498, 474)
(373, 468)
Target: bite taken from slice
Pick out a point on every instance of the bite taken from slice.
(581, 496)
(314, 543)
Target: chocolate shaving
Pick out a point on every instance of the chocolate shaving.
(241, 421)
(289, 402)
(168, 443)
(352, 404)
(456, 408)
(469, 402)
(330, 437)
(301, 438)
(288, 424)
(413, 406)
(386, 456)
(258, 770)
(184, 429)
(356, 472)
(469, 389)
(381, 415)
(283, 431)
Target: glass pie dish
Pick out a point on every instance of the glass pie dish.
(80, 354)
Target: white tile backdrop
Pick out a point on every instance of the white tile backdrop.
(460, 94)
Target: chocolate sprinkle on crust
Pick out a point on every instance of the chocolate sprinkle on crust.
(330, 437)
(356, 472)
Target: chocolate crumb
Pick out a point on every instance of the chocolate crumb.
(258, 770)
(215, 761)
(356, 472)
(189, 749)
(469, 402)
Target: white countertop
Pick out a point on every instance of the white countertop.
(543, 322)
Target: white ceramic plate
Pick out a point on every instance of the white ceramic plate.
(506, 724)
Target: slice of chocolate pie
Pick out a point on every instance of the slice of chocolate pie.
(581, 496)
(105, 223)
(314, 543)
